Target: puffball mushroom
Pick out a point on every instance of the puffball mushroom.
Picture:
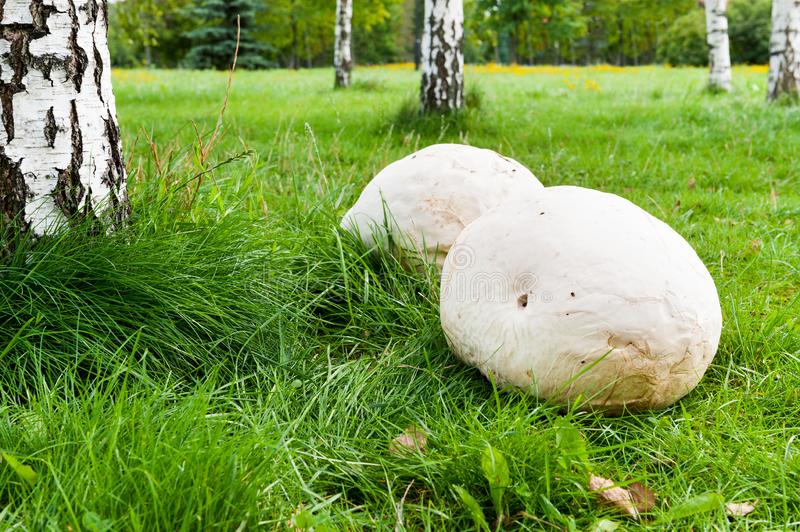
(421, 203)
(581, 294)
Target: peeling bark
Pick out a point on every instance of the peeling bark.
(342, 56)
(784, 49)
(443, 56)
(60, 157)
(719, 55)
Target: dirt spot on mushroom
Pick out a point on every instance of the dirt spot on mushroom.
(522, 301)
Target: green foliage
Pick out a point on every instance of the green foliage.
(699, 504)
(149, 32)
(296, 34)
(749, 27)
(528, 28)
(685, 41)
(301, 33)
(24, 472)
(215, 39)
(495, 469)
(571, 446)
(748, 30)
(473, 507)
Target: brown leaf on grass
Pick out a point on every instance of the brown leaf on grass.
(412, 439)
(740, 509)
(612, 495)
(692, 184)
(643, 497)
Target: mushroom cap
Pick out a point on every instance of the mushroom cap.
(425, 200)
(581, 294)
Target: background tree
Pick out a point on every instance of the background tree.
(443, 56)
(784, 50)
(149, 32)
(297, 33)
(719, 55)
(749, 30)
(342, 55)
(684, 42)
(60, 152)
(214, 41)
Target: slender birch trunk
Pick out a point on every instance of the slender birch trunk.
(443, 56)
(719, 55)
(342, 58)
(784, 49)
(60, 151)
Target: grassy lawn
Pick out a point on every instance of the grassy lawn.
(232, 358)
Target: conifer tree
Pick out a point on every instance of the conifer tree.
(214, 41)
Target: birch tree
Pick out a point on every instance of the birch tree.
(784, 49)
(60, 151)
(342, 57)
(719, 55)
(442, 52)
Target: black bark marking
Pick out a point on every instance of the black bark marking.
(40, 13)
(69, 190)
(14, 193)
(18, 58)
(78, 60)
(50, 128)
(114, 177)
(98, 72)
(104, 10)
(91, 9)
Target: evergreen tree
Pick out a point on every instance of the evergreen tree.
(214, 41)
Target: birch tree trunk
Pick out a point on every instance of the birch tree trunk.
(342, 58)
(60, 151)
(443, 56)
(784, 49)
(719, 55)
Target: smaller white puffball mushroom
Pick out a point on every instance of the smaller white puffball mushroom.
(422, 203)
(581, 294)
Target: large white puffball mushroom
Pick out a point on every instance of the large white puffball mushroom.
(421, 203)
(579, 294)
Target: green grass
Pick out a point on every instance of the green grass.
(233, 357)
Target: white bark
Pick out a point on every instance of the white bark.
(60, 152)
(443, 55)
(784, 49)
(719, 55)
(342, 57)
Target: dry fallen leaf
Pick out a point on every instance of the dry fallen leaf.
(692, 183)
(613, 495)
(643, 497)
(740, 509)
(412, 438)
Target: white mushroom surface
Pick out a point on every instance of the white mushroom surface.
(581, 294)
(422, 202)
